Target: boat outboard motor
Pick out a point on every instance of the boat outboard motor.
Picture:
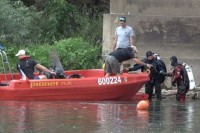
(59, 73)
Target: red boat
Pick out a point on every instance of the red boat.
(92, 85)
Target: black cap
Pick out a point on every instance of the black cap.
(149, 53)
(122, 19)
(174, 61)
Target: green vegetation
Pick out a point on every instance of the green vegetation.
(74, 53)
(73, 29)
(78, 54)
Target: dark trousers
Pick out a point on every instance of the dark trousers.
(181, 92)
(149, 87)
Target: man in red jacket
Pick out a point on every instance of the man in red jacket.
(179, 78)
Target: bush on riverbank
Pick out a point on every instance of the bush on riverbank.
(74, 53)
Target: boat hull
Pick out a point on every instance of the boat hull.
(93, 86)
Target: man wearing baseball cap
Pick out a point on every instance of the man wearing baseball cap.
(124, 35)
(27, 66)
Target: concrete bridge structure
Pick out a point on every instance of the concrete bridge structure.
(166, 27)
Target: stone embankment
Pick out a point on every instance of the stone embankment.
(170, 93)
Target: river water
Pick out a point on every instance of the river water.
(166, 116)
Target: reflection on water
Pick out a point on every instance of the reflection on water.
(98, 117)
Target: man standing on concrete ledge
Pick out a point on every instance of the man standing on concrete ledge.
(124, 35)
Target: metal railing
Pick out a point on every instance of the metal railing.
(5, 64)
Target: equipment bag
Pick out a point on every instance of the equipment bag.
(188, 76)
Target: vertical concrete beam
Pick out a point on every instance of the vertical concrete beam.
(107, 34)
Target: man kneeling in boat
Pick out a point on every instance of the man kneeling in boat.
(115, 58)
(27, 66)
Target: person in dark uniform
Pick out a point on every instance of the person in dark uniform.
(156, 78)
(27, 66)
(115, 58)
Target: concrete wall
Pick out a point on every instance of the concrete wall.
(156, 7)
(167, 27)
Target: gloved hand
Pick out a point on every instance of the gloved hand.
(163, 73)
(173, 84)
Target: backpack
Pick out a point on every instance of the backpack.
(185, 76)
(188, 76)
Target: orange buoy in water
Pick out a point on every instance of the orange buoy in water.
(143, 105)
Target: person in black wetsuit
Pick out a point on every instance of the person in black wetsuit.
(156, 76)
